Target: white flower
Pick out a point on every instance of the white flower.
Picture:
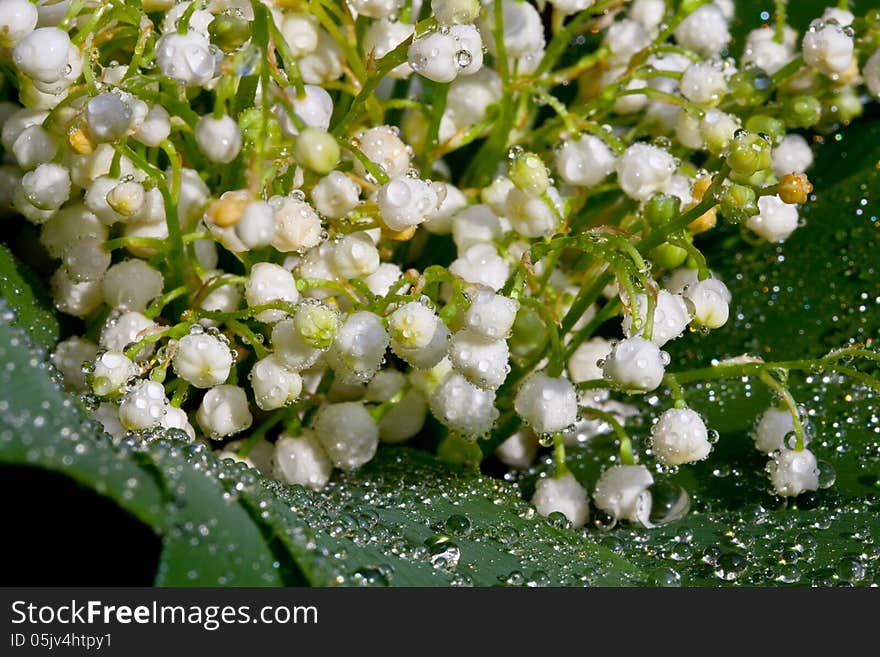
(455, 12)
(301, 340)
(224, 412)
(383, 36)
(827, 47)
(562, 494)
(359, 348)
(325, 63)
(302, 460)
(434, 56)
(186, 58)
(469, 49)
(34, 146)
(567, 7)
(176, 418)
(119, 332)
(155, 127)
(355, 255)
(648, 12)
(717, 129)
(111, 371)
(585, 161)
(86, 260)
(256, 227)
(474, 224)
(131, 285)
(218, 139)
(792, 155)
(405, 202)
(407, 418)
(584, 362)
(469, 97)
(259, 456)
(671, 317)
(44, 54)
(381, 280)
(793, 472)
(108, 116)
(643, 170)
(69, 357)
(776, 219)
(376, 8)
(704, 30)
(348, 434)
(47, 187)
(491, 315)
(623, 492)
(77, 298)
(839, 16)
(297, 225)
(679, 437)
(71, 223)
(871, 73)
(624, 39)
(314, 109)
(481, 264)
(418, 336)
(547, 404)
(382, 146)
(773, 429)
(762, 49)
(463, 407)
(269, 283)
(127, 201)
(335, 195)
(202, 360)
(519, 450)
(143, 407)
(301, 32)
(635, 365)
(18, 18)
(704, 83)
(274, 384)
(481, 361)
(711, 302)
(531, 216)
(440, 220)
(523, 29)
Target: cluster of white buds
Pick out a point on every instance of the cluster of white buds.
(277, 227)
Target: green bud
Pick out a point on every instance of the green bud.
(316, 324)
(844, 106)
(756, 180)
(750, 87)
(529, 173)
(668, 256)
(802, 111)
(251, 124)
(661, 209)
(749, 153)
(766, 125)
(229, 32)
(738, 203)
(316, 150)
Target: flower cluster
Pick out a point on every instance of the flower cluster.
(295, 229)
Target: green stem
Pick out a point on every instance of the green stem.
(559, 455)
(627, 457)
(785, 395)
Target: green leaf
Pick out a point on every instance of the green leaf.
(209, 538)
(25, 297)
(407, 520)
(41, 426)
